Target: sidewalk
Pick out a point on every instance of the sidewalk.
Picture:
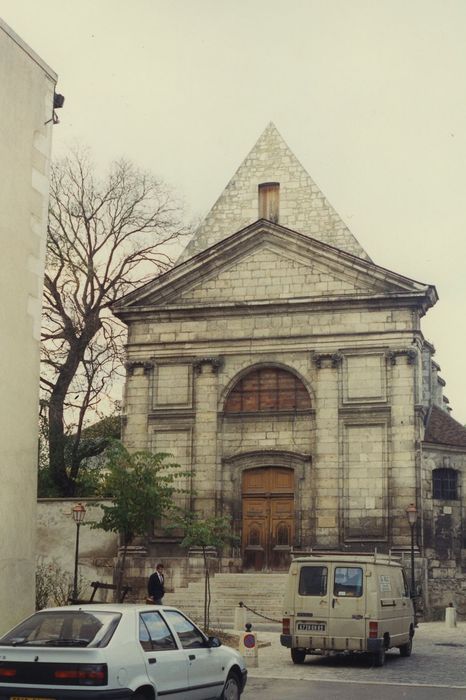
(438, 659)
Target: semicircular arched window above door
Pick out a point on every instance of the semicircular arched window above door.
(268, 389)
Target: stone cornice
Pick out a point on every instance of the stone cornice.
(222, 309)
(439, 447)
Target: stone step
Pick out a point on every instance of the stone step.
(261, 592)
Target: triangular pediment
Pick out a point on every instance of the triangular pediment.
(271, 272)
(302, 205)
(267, 263)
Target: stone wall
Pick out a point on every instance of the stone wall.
(443, 532)
(361, 432)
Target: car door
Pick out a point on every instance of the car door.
(206, 665)
(166, 662)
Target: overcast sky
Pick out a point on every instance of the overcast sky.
(369, 94)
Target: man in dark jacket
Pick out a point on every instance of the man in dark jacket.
(155, 586)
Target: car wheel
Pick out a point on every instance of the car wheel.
(405, 649)
(298, 656)
(379, 657)
(231, 690)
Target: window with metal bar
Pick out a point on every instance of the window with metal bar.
(268, 389)
(445, 484)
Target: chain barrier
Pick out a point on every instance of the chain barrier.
(243, 605)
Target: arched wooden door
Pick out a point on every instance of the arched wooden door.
(268, 517)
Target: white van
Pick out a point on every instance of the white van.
(347, 603)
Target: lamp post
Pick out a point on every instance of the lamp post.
(78, 513)
(411, 513)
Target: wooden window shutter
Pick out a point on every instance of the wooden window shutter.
(269, 201)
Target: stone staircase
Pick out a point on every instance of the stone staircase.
(262, 592)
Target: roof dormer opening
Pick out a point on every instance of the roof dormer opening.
(269, 201)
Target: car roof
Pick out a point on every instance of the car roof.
(109, 607)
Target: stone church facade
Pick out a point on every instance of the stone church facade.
(289, 373)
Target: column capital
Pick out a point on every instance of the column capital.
(216, 364)
(392, 355)
(327, 359)
(146, 365)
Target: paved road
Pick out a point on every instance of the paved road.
(273, 689)
(438, 659)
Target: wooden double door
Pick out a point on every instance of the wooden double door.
(268, 518)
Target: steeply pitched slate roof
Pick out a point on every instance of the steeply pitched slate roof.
(303, 207)
(442, 429)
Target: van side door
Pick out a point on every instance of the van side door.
(408, 606)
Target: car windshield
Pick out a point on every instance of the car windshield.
(67, 628)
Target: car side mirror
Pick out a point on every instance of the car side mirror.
(214, 642)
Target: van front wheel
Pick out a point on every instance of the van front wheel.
(298, 656)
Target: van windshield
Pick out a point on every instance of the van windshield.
(313, 580)
(348, 581)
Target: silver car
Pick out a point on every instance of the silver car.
(110, 652)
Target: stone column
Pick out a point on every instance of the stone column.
(136, 404)
(325, 467)
(403, 478)
(205, 434)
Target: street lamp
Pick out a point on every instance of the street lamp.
(411, 513)
(78, 513)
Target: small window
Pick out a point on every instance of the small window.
(190, 636)
(445, 484)
(154, 634)
(313, 580)
(348, 581)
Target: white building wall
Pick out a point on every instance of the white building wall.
(26, 103)
(56, 541)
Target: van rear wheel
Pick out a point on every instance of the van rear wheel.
(298, 656)
(379, 657)
(406, 649)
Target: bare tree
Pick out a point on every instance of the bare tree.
(105, 237)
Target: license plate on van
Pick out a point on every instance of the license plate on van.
(310, 626)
